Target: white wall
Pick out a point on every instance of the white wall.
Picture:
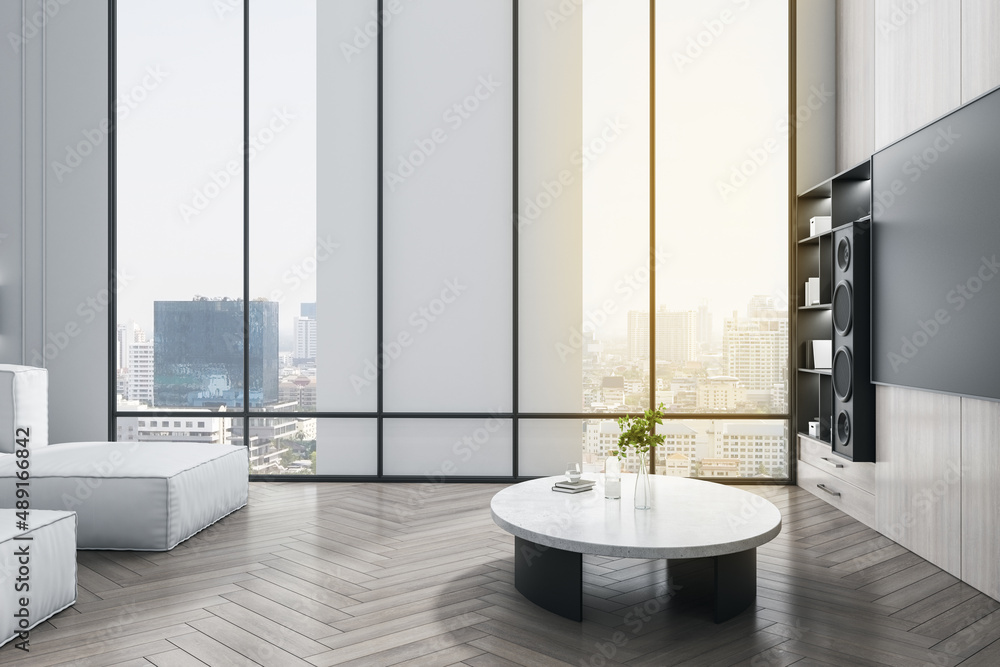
(54, 259)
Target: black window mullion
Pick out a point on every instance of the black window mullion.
(379, 261)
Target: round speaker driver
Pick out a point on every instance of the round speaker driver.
(844, 254)
(843, 307)
(843, 373)
(843, 428)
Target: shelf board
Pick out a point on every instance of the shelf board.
(815, 239)
(819, 306)
(812, 437)
(815, 371)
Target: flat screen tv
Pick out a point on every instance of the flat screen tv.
(936, 255)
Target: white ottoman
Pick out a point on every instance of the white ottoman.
(48, 569)
(143, 496)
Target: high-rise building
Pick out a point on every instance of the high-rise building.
(755, 350)
(135, 364)
(198, 359)
(308, 310)
(300, 390)
(305, 339)
(140, 372)
(704, 327)
(720, 393)
(676, 335)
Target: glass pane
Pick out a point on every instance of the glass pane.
(284, 253)
(280, 445)
(437, 448)
(551, 349)
(545, 446)
(614, 163)
(447, 185)
(346, 447)
(722, 210)
(347, 206)
(180, 207)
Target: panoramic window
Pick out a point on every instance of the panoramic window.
(428, 276)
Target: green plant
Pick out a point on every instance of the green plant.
(639, 433)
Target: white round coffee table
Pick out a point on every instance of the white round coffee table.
(689, 519)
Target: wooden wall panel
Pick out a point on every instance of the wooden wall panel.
(815, 69)
(981, 495)
(918, 489)
(918, 65)
(855, 82)
(980, 47)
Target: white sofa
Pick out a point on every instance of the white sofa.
(141, 496)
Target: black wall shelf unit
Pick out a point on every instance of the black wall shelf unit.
(837, 393)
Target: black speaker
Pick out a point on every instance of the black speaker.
(853, 433)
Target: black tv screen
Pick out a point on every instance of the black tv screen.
(936, 255)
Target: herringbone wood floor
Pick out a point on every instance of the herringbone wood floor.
(393, 574)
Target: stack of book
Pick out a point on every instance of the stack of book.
(578, 486)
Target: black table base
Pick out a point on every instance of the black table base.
(553, 579)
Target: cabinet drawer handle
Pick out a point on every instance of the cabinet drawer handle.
(831, 462)
(823, 487)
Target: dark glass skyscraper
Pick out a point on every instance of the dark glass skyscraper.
(198, 353)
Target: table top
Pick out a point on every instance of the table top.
(689, 518)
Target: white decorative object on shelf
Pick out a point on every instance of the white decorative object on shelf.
(818, 224)
(822, 353)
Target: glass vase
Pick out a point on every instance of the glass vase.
(612, 478)
(643, 498)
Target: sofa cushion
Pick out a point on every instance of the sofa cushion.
(24, 404)
(51, 569)
(135, 495)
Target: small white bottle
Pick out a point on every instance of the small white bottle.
(612, 478)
